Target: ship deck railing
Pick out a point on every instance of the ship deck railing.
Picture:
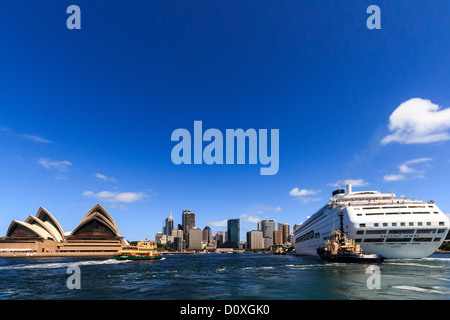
(358, 202)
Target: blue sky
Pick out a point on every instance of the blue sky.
(86, 115)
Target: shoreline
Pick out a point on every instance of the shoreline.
(68, 254)
(94, 254)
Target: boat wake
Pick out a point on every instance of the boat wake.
(55, 265)
(435, 290)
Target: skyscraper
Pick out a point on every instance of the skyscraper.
(194, 239)
(188, 220)
(255, 239)
(220, 239)
(277, 237)
(233, 229)
(207, 235)
(168, 225)
(284, 228)
(268, 227)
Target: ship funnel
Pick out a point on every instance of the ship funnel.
(349, 189)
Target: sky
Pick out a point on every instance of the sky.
(86, 115)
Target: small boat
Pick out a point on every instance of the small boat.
(279, 251)
(340, 249)
(145, 250)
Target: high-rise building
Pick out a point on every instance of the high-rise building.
(233, 229)
(284, 228)
(220, 239)
(168, 225)
(277, 237)
(268, 227)
(207, 235)
(179, 244)
(255, 239)
(194, 239)
(158, 237)
(188, 220)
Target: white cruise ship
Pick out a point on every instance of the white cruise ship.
(380, 223)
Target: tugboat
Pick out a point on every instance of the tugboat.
(340, 249)
(145, 250)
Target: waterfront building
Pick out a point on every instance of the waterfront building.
(284, 228)
(179, 244)
(268, 227)
(207, 235)
(255, 239)
(177, 233)
(96, 232)
(277, 237)
(168, 225)
(233, 229)
(291, 239)
(188, 221)
(220, 239)
(194, 239)
(158, 237)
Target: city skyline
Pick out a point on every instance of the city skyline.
(231, 223)
(87, 115)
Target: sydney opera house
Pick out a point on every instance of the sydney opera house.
(96, 232)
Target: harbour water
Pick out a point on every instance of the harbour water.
(223, 277)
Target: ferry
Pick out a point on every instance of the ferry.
(381, 223)
(145, 250)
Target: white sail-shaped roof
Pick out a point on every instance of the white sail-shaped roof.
(31, 228)
(99, 214)
(49, 220)
(47, 226)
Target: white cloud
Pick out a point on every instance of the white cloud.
(58, 165)
(405, 167)
(296, 192)
(249, 219)
(406, 171)
(302, 194)
(418, 121)
(394, 177)
(105, 178)
(353, 182)
(33, 138)
(222, 223)
(114, 197)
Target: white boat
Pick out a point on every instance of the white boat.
(380, 223)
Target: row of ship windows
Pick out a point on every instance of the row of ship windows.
(307, 236)
(398, 207)
(399, 240)
(400, 231)
(312, 235)
(402, 224)
(390, 213)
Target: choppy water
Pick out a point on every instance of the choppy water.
(223, 276)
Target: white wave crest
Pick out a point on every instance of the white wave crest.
(55, 265)
(419, 289)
